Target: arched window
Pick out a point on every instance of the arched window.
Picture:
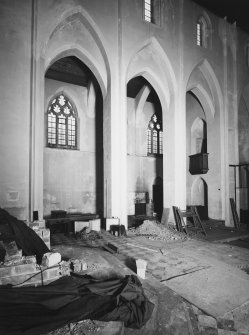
(154, 136)
(198, 136)
(152, 10)
(202, 32)
(61, 123)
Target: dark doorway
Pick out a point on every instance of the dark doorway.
(157, 191)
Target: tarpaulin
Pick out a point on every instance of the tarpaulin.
(25, 237)
(37, 310)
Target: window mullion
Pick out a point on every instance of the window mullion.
(57, 130)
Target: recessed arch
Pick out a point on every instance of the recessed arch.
(160, 73)
(199, 197)
(198, 136)
(204, 84)
(94, 56)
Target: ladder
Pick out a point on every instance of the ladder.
(192, 222)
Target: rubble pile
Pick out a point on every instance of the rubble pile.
(87, 234)
(78, 265)
(84, 327)
(156, 231)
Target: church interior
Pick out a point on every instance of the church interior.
(120, 111)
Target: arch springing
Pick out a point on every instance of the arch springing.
(61, 123)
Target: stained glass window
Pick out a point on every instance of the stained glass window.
(61, 123)
(154, 136)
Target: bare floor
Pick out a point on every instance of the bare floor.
(188, 280)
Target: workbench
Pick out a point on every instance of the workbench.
(66, 224)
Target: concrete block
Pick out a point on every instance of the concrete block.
(51, 273)
(50, 259)
(207, 321)
(17, 255)
(78, 265)
(20, 279)
(38, 223)
(9, 271)
(34, 278)
(46, 233)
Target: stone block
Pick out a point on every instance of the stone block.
(17, 255)
(23, 279)
(51, 273)
(46, 233)
(50, 259)
(78, 265)
(9, 271)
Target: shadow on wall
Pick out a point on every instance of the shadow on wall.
(99, 149)
(157, 191)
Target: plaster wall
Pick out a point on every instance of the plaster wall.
(243, 127)
(142, 170)
(70, 175)
(212, 177)
(101, 37)
(15, 38)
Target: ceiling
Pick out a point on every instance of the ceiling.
(70, 70)
(234, 10)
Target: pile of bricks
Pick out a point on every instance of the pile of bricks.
(23, 270)
(78, 265)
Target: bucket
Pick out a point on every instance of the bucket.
(141, 267)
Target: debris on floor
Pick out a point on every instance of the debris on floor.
(156, 231)
(87, 234)
(84, 327)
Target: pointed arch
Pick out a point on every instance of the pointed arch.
(199, 192)
(94, 54)
(205, 85)
(160, 73)
(204, 30)
(198, 136)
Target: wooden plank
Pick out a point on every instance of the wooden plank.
(234, 213)
(165, 216)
